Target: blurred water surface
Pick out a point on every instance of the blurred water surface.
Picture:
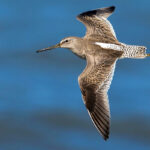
(40, 100)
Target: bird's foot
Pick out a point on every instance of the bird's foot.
(147, 55)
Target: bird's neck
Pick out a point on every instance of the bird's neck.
(78, 48)
(78, 52)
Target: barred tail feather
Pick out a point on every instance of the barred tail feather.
(132, 51)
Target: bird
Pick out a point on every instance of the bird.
(101, 50)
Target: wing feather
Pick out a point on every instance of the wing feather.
(94, 84)
(95, 98)
(98, 27)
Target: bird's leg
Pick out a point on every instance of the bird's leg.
(147, 55)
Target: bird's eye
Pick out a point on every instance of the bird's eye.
(66, 41)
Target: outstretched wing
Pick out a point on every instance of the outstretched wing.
(94, 83)
(98, 27)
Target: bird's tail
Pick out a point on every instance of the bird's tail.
(132, 51)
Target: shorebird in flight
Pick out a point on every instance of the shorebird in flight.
(101, 49)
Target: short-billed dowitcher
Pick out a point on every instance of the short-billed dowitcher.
(101, 49)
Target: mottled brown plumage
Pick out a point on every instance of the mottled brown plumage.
(101, 49)
(98, 28)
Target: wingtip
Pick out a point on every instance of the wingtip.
(105, 135)
(105, 11)
(112, 8)
(106, 138)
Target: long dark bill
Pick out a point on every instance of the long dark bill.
(49, 48)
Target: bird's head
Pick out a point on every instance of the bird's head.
(68, 42)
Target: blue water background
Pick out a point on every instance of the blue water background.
(40, 101)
